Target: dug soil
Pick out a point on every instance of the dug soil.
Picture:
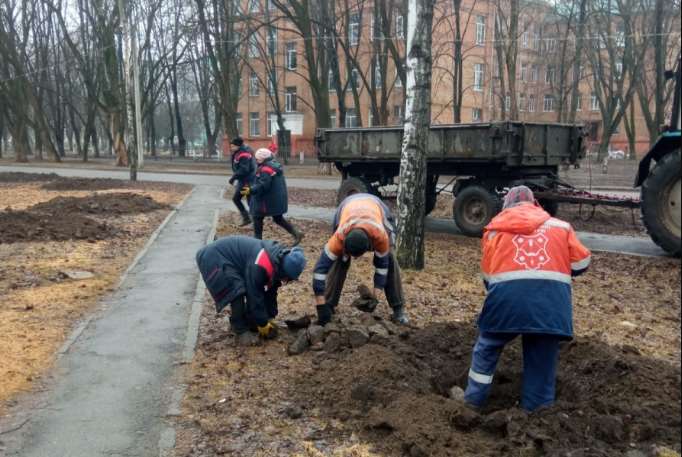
(367, 387)
(60, 252)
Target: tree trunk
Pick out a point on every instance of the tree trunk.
(577, 64)
(412, 188)
(457, 87)
(118, 141)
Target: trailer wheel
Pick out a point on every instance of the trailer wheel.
(551, 206)
(351, 186)
(473, 209)
(661, 203)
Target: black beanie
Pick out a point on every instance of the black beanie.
(237, 141)
(356, 243)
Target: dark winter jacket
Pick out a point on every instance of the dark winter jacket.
(269, 190)
(240, 265)
(243, 165)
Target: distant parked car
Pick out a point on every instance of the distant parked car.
(617, 154)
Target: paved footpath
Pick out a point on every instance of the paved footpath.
(114, 384)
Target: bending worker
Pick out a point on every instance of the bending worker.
(269, 197)
(362, 223)
(246, 273)
(528, 261)
(243, 169)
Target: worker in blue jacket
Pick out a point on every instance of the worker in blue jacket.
(268, 195)
(243, 173)
(246, 273)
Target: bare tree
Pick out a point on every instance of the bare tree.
(413, 165)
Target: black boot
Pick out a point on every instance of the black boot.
(298, 236)
(246, 220)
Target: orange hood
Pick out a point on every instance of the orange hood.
(523, 219)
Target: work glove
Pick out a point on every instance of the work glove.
(269, 331)
(324, 314)
(246, 191)
(232, 180)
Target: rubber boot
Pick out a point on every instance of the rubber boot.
(298, 236)
(246, 220)
(399, 316)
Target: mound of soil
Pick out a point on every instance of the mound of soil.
(18, 226)
(17, 177)
(62, 183)
(108, 205)
(610, 400)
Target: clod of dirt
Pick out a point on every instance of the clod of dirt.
(366, 302)
(18, 177)
(609, 428)
(108, 205)
(378, 332)
(296, 324)
(357, 336)
(315, 334)
(27, 225)
(333, 343)
(300, 344)
(365, 393)
(293, 412)
(465, 419)
(457, 393)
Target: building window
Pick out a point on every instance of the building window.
(370, 118)
(550, 44)
(291, 57)
(270, 5)
(351, 118)
(550, 76)
(594, 102)
(507, 103)
(272, 84)
(254, 50)
(331, 81)
(619, 69)
(531, 103)
(271, 127)
(536, 39)
(254, 85)
(332, 117)
(400, 27)
(548, 105)
(354, 29)
(524, 36)
(254, 7)
(478, 77)
(240, 122)
(524, 71)
(398, 81)
(271, 42)
(355, 78)
(398, 114)
(534, 73)
(579, 103)
(476, 114)
(480, 30)
(290, 100)
(522, 102)
(378, 75)
(254, 124)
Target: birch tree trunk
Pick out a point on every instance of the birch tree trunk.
(412, 189)
(128, 58)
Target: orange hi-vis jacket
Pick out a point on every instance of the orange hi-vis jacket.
(529, 259)
(359, 211)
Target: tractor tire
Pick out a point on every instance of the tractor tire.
(661, 203)
(473, 209)
(351, 186)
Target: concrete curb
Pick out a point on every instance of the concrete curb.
(80, 328)
(168, 434)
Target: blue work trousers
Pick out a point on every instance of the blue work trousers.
(540, 360)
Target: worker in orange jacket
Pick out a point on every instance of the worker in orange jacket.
(529, 259)
(362, 223)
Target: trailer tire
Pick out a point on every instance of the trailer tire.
(661, 203)
(551, 206)
(351, 186)
(473, 209)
